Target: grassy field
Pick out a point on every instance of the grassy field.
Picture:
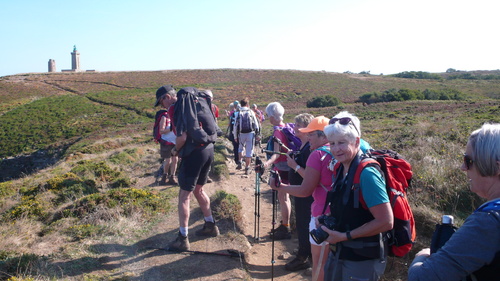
(72, 143)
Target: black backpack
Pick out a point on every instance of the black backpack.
(193, 115)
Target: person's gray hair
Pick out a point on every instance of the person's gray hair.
(351, 131)
(485, 144)
(303, 119)
(276, 110)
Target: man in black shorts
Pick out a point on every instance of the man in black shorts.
(196, 159)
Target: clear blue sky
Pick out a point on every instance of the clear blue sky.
(385, 36)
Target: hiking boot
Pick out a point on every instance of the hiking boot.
(163, 180)
(209, 229)
(180, 244)
(209, 180)
(298, 263)
(238, 167)
(171, 180)
(281, 233)
(246, 170)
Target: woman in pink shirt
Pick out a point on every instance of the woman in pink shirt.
(319, 171)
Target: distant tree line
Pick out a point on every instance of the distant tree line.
(323, 101)
(457, 74)
(418, 75)
(407, 94)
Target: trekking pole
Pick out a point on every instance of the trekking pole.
(276, 176)
(273, 152)
(281, 144)
(258, 173)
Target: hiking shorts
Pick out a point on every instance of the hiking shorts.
(246, 142)
(166, 150)
(194, 168)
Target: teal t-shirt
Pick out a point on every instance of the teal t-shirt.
(373, 187)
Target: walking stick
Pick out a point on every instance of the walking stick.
(258, 172)
(277, 178)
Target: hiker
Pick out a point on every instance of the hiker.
(319, 170)
(196, 132)
(275, 112)
(360, 252)
(258, 113)
(215, 109)
(302, 204)
(473, 251)
(245, 130)
(233, 114)
(166, 97)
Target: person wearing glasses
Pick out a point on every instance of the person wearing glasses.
(358, 251)
(473, 251)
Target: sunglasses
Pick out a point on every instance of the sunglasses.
(343, 121)
(468, 161)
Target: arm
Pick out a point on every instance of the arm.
(383, 221)
(470, 248)
(293, 164)
(165, 127)
(306, 188)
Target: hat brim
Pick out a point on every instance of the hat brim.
(306, 130)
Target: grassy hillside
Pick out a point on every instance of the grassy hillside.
(73, 144)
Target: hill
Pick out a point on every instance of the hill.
(78, 162)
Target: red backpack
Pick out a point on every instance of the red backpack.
(397, 173)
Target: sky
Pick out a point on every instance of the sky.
(382, 37)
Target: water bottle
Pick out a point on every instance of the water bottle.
(442, 233)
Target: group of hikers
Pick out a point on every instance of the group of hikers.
(343, 209)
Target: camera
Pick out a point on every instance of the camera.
(318, 234)
(277, 179)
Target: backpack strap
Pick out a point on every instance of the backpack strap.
(356, 185)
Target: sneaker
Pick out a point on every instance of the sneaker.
(238, 167)
(246, 170)
(180, 244)
(163, 180)
(298, 263)
(209, 229)
(171, 180)
(209, 180)
(282, 232)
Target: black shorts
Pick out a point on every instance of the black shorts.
(166, 150)
(194, 168)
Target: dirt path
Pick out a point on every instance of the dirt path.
(141, 262)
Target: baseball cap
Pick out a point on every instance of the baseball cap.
(317, 124)
(161, 91)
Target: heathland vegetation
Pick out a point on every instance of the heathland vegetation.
(74, 147)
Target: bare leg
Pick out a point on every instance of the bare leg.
(203, 200)
(285, 206)
(173, 165)
(183, 207)
(319, 260)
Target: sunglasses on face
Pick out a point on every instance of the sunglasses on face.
(468, 161)
(343, 121)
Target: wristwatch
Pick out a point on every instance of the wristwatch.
(297, 168)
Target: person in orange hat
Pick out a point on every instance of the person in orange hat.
(319, 171)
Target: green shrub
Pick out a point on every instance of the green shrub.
(29, 207)
(323, 101)
(226, 206)
(82, 231)
(100, 170)
(7, 189)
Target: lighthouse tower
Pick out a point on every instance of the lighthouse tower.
(75, 60)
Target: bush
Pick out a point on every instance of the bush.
(323, 101)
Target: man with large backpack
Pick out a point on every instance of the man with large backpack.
(196, 132)
(245, 131)
(163, 132)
